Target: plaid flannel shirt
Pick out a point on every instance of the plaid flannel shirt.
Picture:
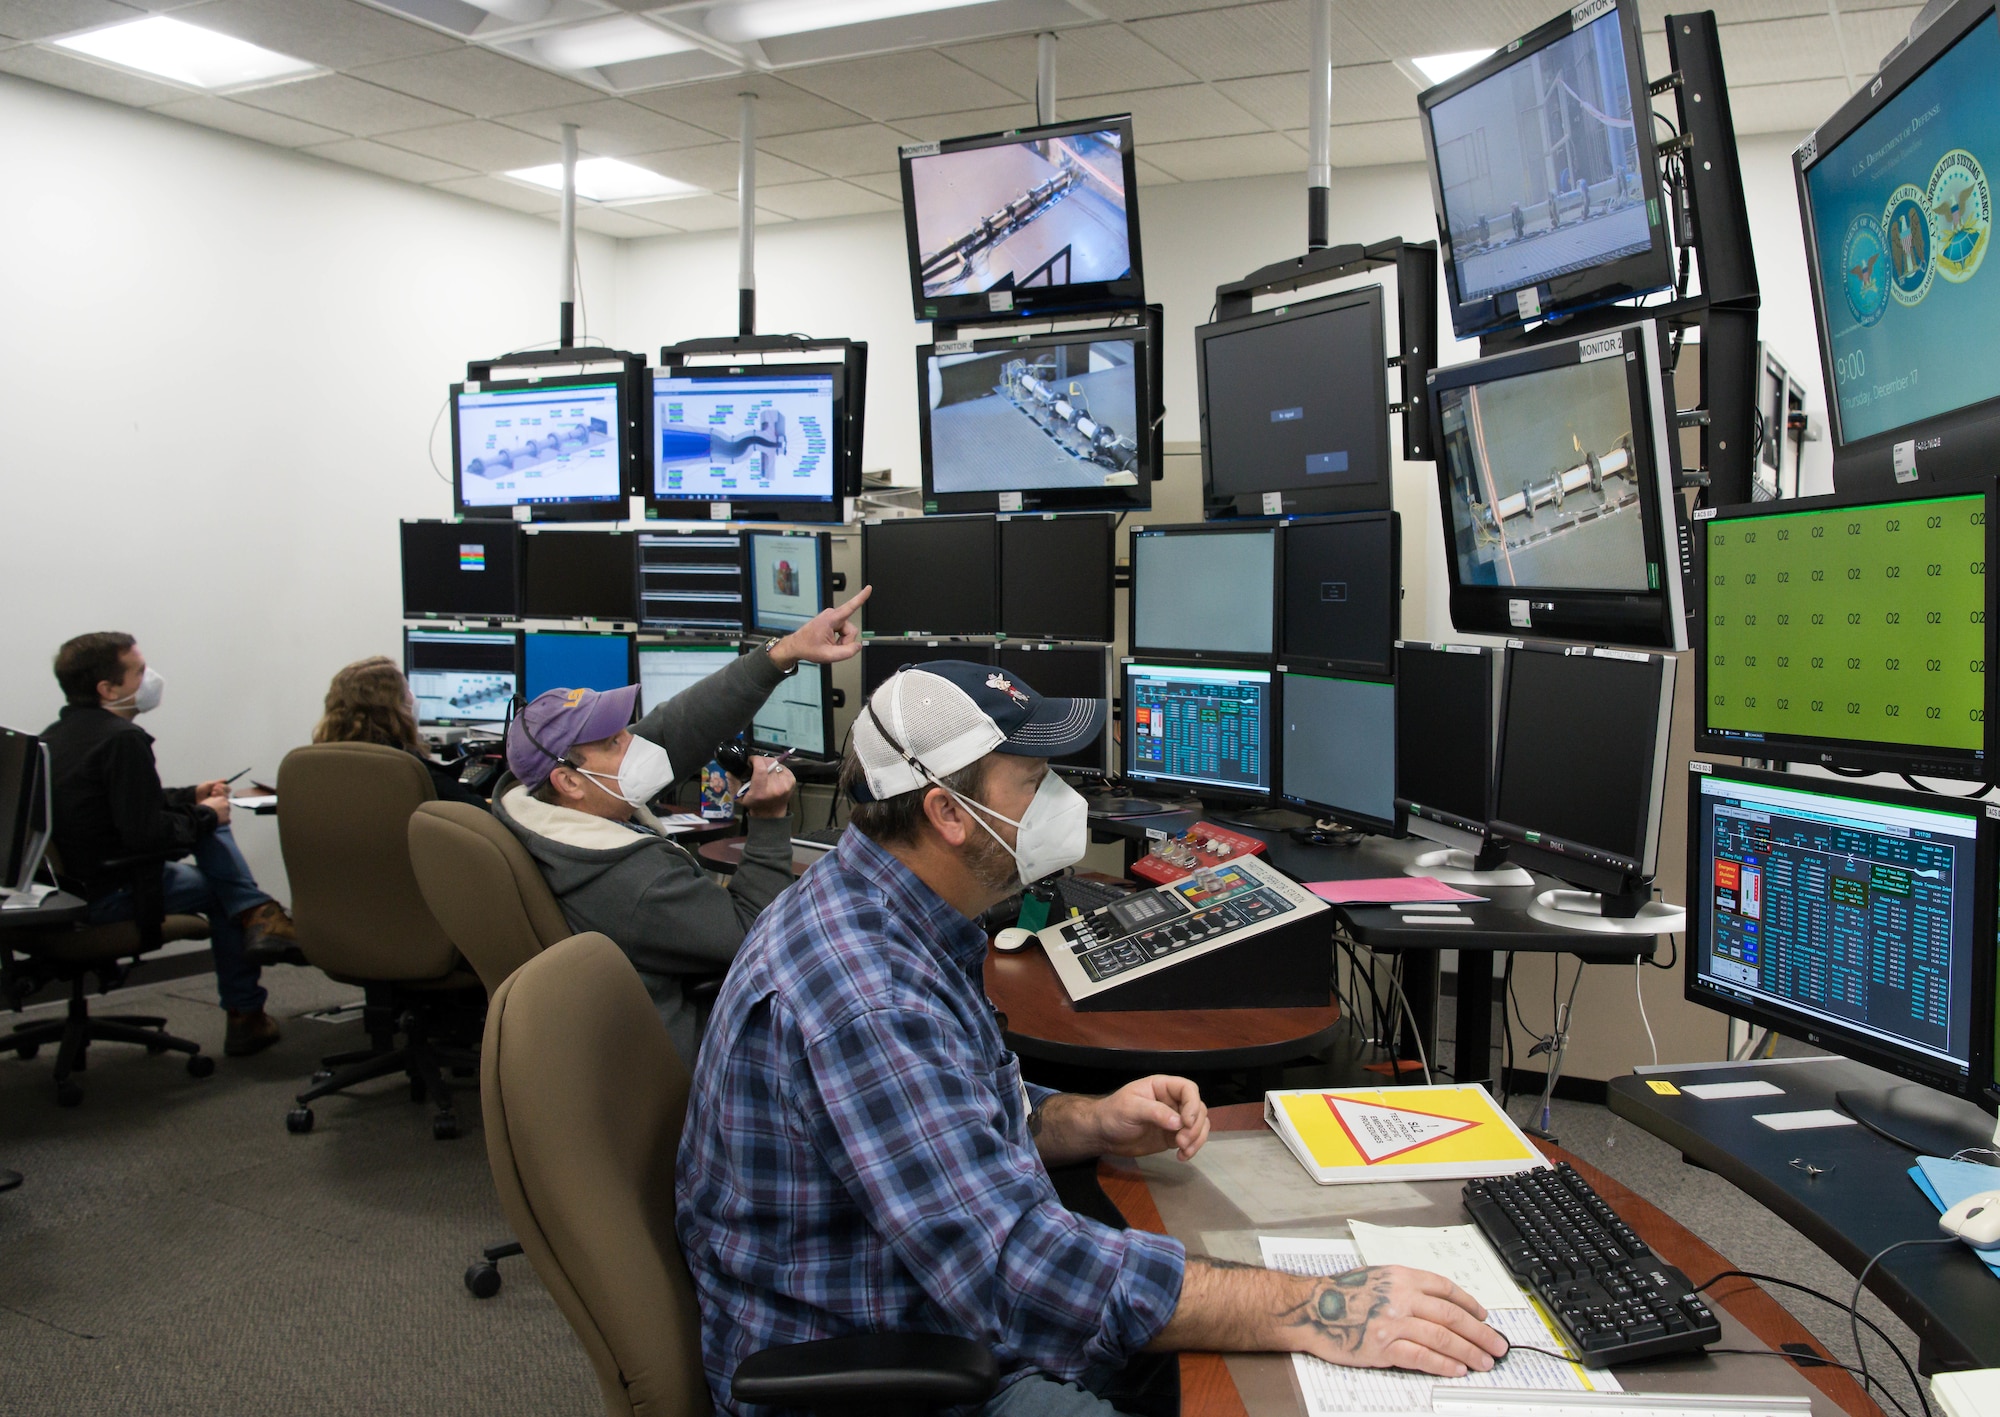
(857, 1156)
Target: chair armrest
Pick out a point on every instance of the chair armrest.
(898, 1371)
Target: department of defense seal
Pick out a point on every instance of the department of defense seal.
(1865, 272)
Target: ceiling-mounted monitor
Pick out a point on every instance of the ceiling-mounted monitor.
(766, 440)
(555, 446)
(1025, 223)
(1544, 175)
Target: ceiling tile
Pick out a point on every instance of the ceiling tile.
(1102, 59)
(615, 221)
(350, 106)
(388, 161)
(1653, 13)
(1143, 9)
(886, 184)
(966, 125)
(713, 168)
(1374, 144)
(483, 147)
(1151, 176)
(246, 122)
(1171, 115)
(1404, 29)
(36, 19)
(715, 106)
(804, 201)
(1785, 108)
(1251, 39)
(1871, 34)
(612, 127)
(501, 193)
(689, 213)
(1655, 45)
(840, 152)
(1803, 48)
(900, 85)
(337, 33)
(1249, 155)
(1362, 93)
(50, 66)
(476, 81)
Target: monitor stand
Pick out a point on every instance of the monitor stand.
(1919, 1119)
(1462, 868)
(1585, 910)
(27, 899)
(1109, 804)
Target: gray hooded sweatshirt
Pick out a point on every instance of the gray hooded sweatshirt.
(646, 891)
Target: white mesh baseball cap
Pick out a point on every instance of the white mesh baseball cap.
(951, 713)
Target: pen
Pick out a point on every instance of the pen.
(228, 780)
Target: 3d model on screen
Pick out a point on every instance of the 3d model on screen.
(714, 447)
(539, 448)
(1063, 412)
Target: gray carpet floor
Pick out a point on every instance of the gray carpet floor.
(175, 1250)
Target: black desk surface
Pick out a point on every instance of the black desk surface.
(1862, 1203)
(57, 908)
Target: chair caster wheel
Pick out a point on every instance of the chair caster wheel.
(299, 1120)
(444, 1126)
(417, 1090)
(482, 1279)
(200, 1067)
(69, 1094)
(27, 1051)
(323, 1075)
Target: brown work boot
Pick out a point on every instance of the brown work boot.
(267, 924)
(249, 1033)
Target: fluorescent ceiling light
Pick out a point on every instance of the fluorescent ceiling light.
(1439, 67)
(606, 179)
(743, 20)
(521, 12)
(616, 40)
(186, 54)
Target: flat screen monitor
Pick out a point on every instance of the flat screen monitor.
(552, 660)
(1205, 727)
(1055, 422)
(765, 439)
(1204, 591)
(1850, 633)
(788, 580)
(1895, 197)
(1066, 672)
(1546, 186)
(1026, 223)
(579, 575)
(1341, 602)
(1556, 481)
(1055, 578)
(462, 678)
(798, 715)
(555, 446)
(666, 670)
(1337, 758)
(931, 576)
(882, 658)
(1295, 407)
(692, 581)
(467, 569)
(25, 808)
(1447, 711)
(1583, 763)
(1856, 918)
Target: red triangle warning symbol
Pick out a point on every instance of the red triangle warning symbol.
(1380, 1132)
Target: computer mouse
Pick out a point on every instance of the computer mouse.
(1975, 1220)
(1014, 937)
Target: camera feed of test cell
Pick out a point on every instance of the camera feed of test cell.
(550, 442)
(733, 435)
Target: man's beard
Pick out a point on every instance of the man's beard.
(991, 863)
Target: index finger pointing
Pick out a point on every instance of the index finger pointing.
(853, 602)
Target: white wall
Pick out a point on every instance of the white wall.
(219, 368)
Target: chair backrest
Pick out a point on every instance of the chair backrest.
(584, 1098)
(484, 888)
(343, 823)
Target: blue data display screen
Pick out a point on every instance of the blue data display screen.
(1851, 912)
(734, 438)
(576, 662)
(1211, 728)
(1902, 216)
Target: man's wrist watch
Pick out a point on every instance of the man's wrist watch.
(770, 650)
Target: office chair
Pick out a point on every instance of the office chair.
(584, 1099)
(71, 953)
(344, 830)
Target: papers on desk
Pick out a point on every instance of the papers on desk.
(1458, 1252)
(1946, 1183)
(682, 822)
(1330, 1390)
(1492, 1403)
(1389, 890)
(1973, 1393)
(251, 804)
(1724, 1091)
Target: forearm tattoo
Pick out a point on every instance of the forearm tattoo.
(1340, 1308)
(1035, 1118)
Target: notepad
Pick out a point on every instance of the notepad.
(1803, 1121)
(1443, 1132)
(1720, 1091)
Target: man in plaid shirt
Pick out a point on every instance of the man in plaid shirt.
(862, 1155)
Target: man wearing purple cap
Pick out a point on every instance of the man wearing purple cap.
(580, 774)
(862, 1154)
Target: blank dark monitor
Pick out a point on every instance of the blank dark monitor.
(1337, 757)
(1203, 727)
(692, 581)
(932, 576)
(882, 658)
(1447, 706)
(558, 661)
(1206, 591)
(461, 569)
(461, 677)
(1055, 578)
(579, 575)
(1342, 604)
(1066, 672)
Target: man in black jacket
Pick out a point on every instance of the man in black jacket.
(109, 805)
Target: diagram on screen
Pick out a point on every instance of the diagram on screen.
(1056, 417)
(1544, 486)
(444, 694)
(1043, 213)
(538, 445)
(731, 437)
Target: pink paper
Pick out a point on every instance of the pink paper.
(1389, 890)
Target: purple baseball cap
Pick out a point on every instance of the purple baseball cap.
(542, 734)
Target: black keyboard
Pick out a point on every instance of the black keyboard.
(1614, 1300)
(1083, 896)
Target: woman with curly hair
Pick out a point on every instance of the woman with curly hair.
(370, 702)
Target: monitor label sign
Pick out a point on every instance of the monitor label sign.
(918, 150)
(1581, 15)
(1904, 457)
(1274, 504)
(1517, 614)
(1602, 347)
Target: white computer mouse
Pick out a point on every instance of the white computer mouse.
(1014, 937)
(1975, 1220)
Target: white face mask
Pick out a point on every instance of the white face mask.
(644, 775)
(1053, 833)
(146, 697)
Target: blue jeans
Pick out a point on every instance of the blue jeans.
(1038, 1395)
(217, 884)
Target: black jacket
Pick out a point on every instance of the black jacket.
(449, 789)
(108, 798)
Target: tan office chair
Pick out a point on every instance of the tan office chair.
(584, 1099)
(343, 823)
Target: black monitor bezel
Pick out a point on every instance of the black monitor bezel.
(749, 509)
(603, 509)
(824, 539)
(1839, 753)
(1835, 1038)
(631, 542)
(924, 634)
(1040, 301)
(510, 533)
(1389, 826)
(824, 672)
(631, 639)
(1957, 443)
(520, 671)
(1354, 497)
(1212, 793)
(1655, 619)
(1638, 274)
(981, 651)
(1109, 605)
(1165, 655)
(1469, 830)
(1138, 497)
(1358, 668)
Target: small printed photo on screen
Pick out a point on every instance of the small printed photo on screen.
(786, 571)
(538, 445)
(1544, 486)
(1050, 212)
(728, 439)
(1025, 420)
(1539, 166)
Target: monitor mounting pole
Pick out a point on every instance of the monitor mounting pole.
(1319, 118)
(566, 281)
(1045, 77)
(746, 220)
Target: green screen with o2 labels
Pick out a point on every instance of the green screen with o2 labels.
(1851, 623)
